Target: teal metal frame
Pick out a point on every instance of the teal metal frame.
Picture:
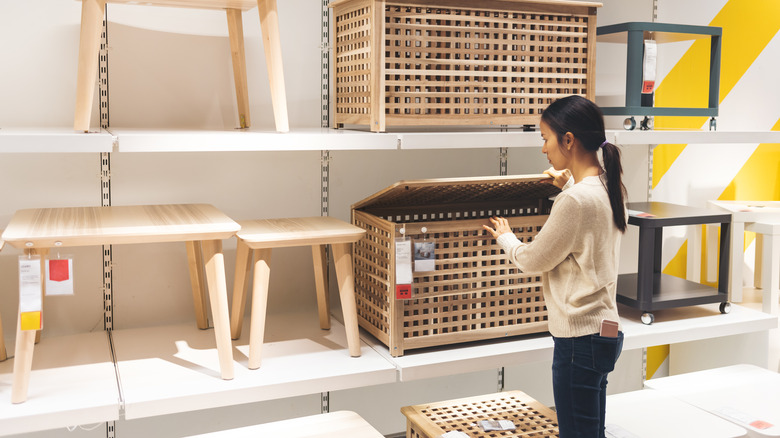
(663, 32)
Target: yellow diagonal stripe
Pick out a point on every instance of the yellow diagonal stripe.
(748, 26)
(655, 358)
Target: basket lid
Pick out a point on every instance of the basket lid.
(460, 191)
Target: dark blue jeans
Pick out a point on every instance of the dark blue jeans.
(579, 371)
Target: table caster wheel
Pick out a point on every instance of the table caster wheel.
(725, 307)
(647, 318)
(629, 124)
(713, 124)
(646, 124)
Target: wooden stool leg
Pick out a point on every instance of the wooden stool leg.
(92, 12)
(195, 262)
(346, 278)
(236, 33)
(215, 276)
(3, 354)
(269, 23)
(758, 275)
(240, 285)
(321, 284)
(23, 355)
(259, 305)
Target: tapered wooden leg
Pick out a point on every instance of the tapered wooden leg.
(240, 285)
(3, 354)
(236, 33)
(758, 274)
(215, 277)
(195, 262)
(269, 22)
(23, 355)
(259, 305)
(321, 284)
(345, 275)
(92, 12)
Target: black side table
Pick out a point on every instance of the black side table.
(649, 289)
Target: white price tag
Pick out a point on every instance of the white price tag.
(59, 276)
(648, 66)
(454, 434)
(30, 296)
(403, 269)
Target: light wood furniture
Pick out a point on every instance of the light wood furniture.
(454, 62)
(256, 240)
(340, 424)
(530, 417)
(744, 214)
(201, 226)
(93, 11)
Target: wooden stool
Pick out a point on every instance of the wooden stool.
(530, 417)
(767, 272)
(93, 11)
(201, 226)
(259, 237)
(340, 424)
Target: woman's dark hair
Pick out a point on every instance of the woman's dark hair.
(585, 121)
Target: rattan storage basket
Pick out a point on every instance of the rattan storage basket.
(458, 62)
(475, 292)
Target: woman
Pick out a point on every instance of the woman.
(577, 252)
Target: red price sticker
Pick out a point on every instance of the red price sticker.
(647, 86)
(761, 425)
(403, 291)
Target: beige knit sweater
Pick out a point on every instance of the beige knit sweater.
(577, 252)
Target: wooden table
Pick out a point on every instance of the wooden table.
(744, 216)
(201, 226)
(340, 424)
(93, 12)
(259, 237)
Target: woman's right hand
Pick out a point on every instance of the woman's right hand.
(560, 177)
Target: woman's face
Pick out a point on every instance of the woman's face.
(556, 155)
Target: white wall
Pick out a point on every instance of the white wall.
(170, 68)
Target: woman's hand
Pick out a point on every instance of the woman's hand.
(501, 226)
(560, 177)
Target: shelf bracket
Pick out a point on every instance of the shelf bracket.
(324, 402)
(500, 379)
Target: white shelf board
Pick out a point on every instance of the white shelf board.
(623, 137)
(170, 369)
(53, 140)
(670, 326)
(73, 382)
(470, 139)
(136, 140)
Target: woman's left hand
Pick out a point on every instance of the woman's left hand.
(501, 226)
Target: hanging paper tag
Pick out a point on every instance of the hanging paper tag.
(30, 296)
(403, 268)
(425, 256)
(648, 66)
(59, 276)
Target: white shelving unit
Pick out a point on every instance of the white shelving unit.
(15, 140)
(171, 369)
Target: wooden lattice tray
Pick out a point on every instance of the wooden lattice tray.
(531, 418)
(452, 62)
(474, 293)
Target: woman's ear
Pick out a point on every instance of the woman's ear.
(568, 140)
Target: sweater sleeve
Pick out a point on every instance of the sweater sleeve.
(554, 242)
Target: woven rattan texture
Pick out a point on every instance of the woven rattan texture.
(531, 418)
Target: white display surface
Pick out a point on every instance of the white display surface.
(746, 395)
(653, 414)
(53, 140)
(672, 325)
(72, 383)
(171, 369)
(339, 424)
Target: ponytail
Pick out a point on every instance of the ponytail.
(615, 188)
(585, 121)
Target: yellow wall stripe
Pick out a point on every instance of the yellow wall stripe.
(655, 358)
(748, 26)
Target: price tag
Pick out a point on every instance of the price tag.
(59, 276)
(403, 269)
(425, 256)
(648, 66)
(30, 296)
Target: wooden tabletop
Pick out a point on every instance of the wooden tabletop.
(85, 226)
(277, 233)
(244, 5)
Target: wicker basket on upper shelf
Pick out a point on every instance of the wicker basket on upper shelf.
(456, 62)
